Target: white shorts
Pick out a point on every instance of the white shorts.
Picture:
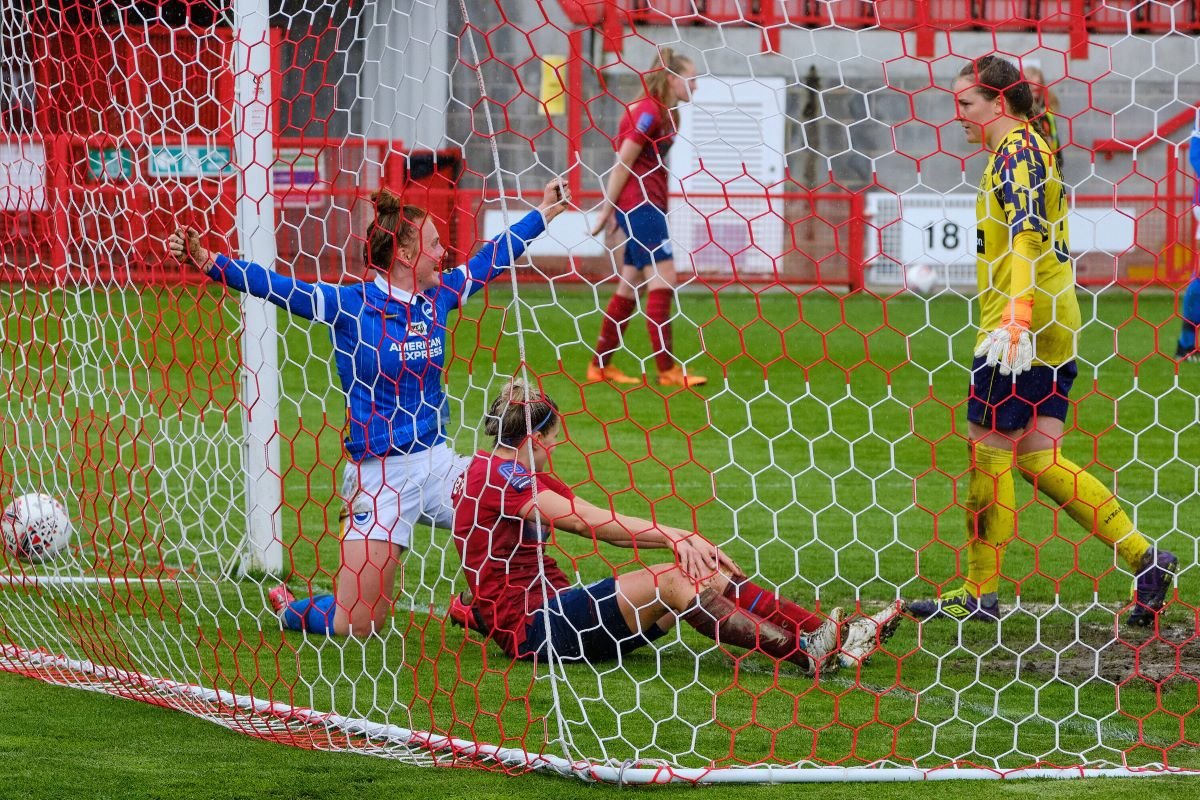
(387, 497)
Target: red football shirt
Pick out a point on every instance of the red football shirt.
(499, 549)
(650, 125)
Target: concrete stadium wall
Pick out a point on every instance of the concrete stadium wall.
(881, 114)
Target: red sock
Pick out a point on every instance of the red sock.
(751, 597)
(616, 318)
(658, 323)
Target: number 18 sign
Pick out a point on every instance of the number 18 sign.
(926, 228)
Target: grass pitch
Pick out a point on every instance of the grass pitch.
(102, 747)
(826, 456)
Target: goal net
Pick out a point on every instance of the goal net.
(817, 176)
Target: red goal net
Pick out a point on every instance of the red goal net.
(780, 198)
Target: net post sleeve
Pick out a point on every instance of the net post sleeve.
(254, 154)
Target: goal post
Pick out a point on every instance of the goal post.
(817, 206)
(255, 148)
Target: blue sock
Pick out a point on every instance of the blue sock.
(311, 614)
(1191, 316)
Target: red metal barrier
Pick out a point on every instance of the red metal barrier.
(114, 231)
(1079, 18)
(135, 144)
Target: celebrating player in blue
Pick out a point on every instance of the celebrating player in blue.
(1025, 356)
(389, 338)
(1187, 349)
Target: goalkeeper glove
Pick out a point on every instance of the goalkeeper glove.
(1011, 345)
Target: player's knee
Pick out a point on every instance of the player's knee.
(676, 590)
(364, 616)
(1033, 465)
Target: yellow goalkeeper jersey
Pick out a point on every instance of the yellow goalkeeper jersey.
(1021, 190)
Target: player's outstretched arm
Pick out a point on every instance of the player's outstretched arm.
(499, 253)
(556, 198)
(698, 557)
(185, 247)
(301, 298)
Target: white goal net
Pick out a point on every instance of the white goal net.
(819, 271)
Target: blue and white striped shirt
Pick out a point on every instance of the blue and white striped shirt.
(389, 345)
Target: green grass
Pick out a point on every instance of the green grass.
(825, 458)
(57, 743)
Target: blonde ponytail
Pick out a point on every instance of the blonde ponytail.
(657, 78)
(518, 411)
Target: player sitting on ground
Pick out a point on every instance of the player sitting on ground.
(506, 504)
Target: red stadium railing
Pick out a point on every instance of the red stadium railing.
(92, 222)
(133, 145)
(115, 227)
(102, 209)
(925, 18)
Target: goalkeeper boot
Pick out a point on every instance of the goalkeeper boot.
(865, 635)
(280, 598)
(1151, 585)
(609, 373)
(462, 614)
(958, 604)
(675, 376)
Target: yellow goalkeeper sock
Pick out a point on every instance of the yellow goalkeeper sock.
(1086, 500)
(991, 517)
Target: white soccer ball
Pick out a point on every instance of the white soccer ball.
(35, 527)
(920, 278)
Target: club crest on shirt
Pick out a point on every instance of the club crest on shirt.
(517, 476)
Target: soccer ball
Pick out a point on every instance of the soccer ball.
(35, 527)
(920, 278)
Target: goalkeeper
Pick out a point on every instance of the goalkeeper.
(1025, 355)
(507, 504)
(389, 338)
